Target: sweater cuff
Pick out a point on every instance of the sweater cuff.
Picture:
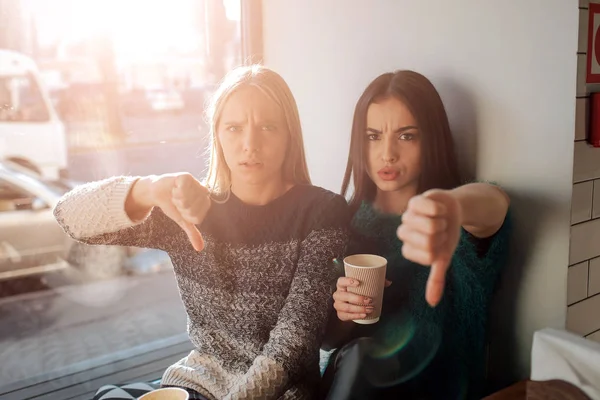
(116, 204)
(266, 379)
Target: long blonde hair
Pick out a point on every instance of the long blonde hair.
(272, 85)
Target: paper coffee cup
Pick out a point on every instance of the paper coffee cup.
(369, 270)
(166, 394)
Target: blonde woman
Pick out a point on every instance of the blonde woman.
(251, 248)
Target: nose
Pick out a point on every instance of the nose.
(251, 140)
(390, 151)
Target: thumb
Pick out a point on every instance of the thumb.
(436, 281)
(188, 227)
(434, 194)
(193, 235)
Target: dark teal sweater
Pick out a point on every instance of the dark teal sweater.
(441, 350)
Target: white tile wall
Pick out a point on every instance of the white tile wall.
(583, 279)
(581, 88)
(583, 31)
(581, 206)
(594, 278)
(584, 317)
(586, 164)
(577, 283)
(581, 114)
(594, 336)
(585, 241)
(596, 200)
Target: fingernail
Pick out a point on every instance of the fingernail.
(433, 302)
(363, 315)
(355, 283)
(370, 309)
(367, 300)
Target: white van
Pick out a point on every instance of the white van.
(31, 133)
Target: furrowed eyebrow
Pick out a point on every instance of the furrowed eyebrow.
(405, 128)
(399, 130)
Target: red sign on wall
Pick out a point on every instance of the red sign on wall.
(593, 48)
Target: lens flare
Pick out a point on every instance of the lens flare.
(394, 340)
(401, 351)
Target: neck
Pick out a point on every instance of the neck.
(259, 194)
(394, 202)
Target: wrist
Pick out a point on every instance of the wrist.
(141, 197)
(458, 195)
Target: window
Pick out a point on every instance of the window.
(21, 100)
(29, 240)
(13, 199)
(131, 102)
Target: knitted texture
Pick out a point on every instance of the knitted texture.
(256, 297)
(441, 347)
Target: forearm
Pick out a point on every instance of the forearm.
(95, 213)
(293, 346)
(304, 318)
(266, 379)
(138, 203)
(95, 208)
(483, 208)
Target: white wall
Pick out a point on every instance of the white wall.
(506, 72)
(583, 289)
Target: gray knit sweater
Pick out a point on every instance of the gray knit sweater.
(257, 297)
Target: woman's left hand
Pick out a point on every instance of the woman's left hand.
(430, 231)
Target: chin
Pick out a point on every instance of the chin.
(388, 186)
(253, 178)
(393, 186)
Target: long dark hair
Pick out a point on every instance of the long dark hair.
(439, 166)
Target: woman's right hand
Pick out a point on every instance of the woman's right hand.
(180, 196)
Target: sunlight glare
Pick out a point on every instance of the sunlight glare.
(140, 29)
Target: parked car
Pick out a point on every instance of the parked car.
(31, 132)
(32, 242)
